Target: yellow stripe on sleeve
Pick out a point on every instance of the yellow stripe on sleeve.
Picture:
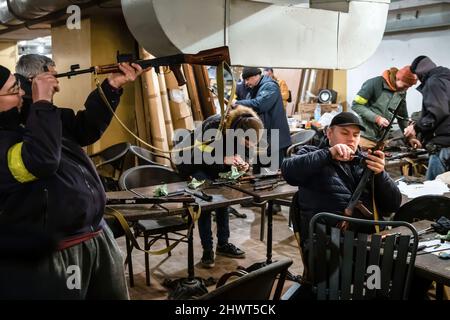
(16, 165)
(361, 100)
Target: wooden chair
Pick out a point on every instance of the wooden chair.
(255, 285)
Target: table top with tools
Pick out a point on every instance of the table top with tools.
(266, 189)
(209, 197)
(428, 264)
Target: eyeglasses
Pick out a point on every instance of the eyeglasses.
(15, 89)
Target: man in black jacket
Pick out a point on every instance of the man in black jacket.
(50, 187)
(433, 127)
(206, 161)
(328, 177)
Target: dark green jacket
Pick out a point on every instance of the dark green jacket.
(376, 98)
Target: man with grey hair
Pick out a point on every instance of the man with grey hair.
(28, 67)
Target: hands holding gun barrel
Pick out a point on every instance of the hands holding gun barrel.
(45, 85)
(374, 159)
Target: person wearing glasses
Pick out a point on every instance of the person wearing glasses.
(49, 186)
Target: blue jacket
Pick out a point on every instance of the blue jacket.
(326, 185)
(52, 186)
(265, 99)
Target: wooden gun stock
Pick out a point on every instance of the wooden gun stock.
(210, 57)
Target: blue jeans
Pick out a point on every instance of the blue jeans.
(438, 163)
(205, 231)
(204, 222)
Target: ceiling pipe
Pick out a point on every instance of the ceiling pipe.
(18, 14)
(261, 33)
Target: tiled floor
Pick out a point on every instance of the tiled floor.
(244, 234)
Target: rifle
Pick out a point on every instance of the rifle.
(210, 57)
(367, 173)
(414, 153)
(151, 200)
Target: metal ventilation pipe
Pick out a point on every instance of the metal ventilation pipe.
(331, 34)
(13, 12)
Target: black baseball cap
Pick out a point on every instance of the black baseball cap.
(347, 119)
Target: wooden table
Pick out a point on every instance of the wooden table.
(428, 266)
(221, 197)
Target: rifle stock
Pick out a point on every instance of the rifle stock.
(210, 57)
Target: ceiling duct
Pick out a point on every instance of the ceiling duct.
(18, 11)
(259, 33)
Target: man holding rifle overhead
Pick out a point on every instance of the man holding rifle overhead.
(50, 187)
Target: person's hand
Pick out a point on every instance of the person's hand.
(243, 167)
(236, 161)
(415, 143)
(381, 122)
(409, 131)
(128, 73)
(375, 161)
(44, 86)
(341, 152)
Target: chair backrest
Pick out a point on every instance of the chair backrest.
(255, 285)
(113, 155)
(345, 265)
(145, 157)
(149, 175)
(430, 207)
(299, 139)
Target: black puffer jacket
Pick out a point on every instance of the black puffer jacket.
(193, 162)
(434, 124)
(326, 185)
(61, 194)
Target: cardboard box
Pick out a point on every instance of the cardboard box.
(306, 110)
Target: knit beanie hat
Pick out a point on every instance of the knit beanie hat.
(405, 75)
(4, 75)
(250, 71)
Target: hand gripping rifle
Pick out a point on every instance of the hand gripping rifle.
(210, 57)
(367, 173)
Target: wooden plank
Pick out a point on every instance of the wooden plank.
(320, 277)
(386, 265)
(400, 266)
(193, 92)
(347, 266)
(374, 260)
(360, 267)
(205, 96)
(334, 266)
(157, 121)
(166, 109)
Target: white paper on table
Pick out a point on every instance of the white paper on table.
(435, 187)
(433, 245)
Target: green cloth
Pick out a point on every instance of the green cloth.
(194, 184)
(445, 237)
(161, 191)
(233, 174)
